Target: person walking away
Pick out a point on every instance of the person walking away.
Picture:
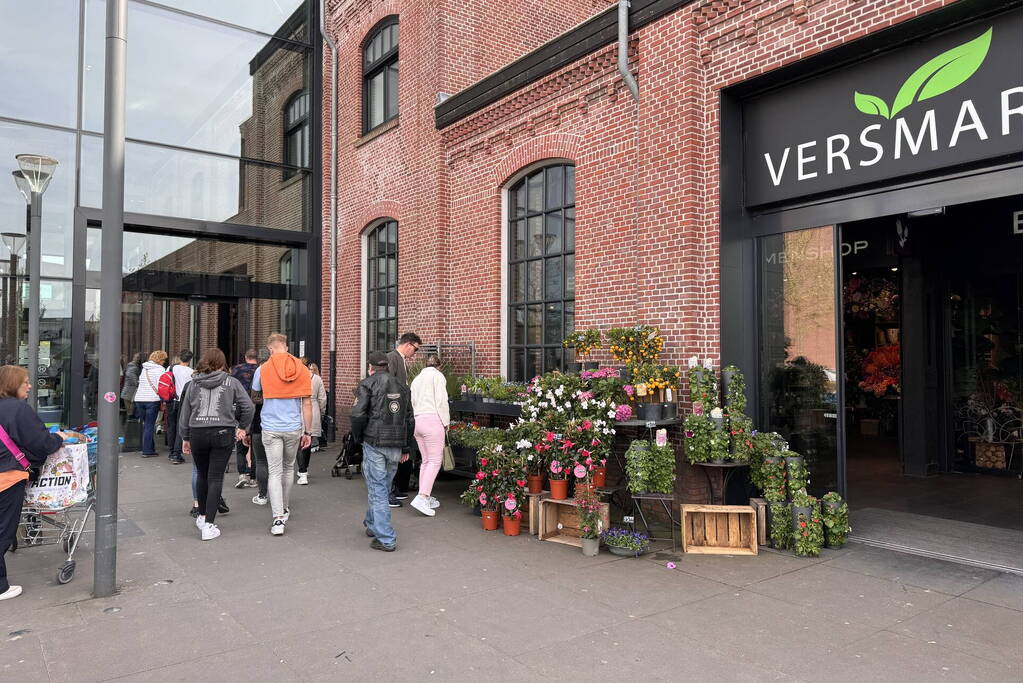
(397, 366)
(243, 372)
(286, 420)
(382, 422)
(430, 407)
(257, 452)
(319, 404)
(147, 400)
(214, 412)
(24, 441)
(131, 385)
(182, 372)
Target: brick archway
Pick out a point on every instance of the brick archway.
(553, 146)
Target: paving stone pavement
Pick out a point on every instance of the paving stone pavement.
(455, 603)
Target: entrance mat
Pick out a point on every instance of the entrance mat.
(944, 539)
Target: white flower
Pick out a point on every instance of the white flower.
(529, 457)
(708, 364)
(568, 405)
(717, 413)
(559, 391)
(611, 414)
(498, 448)
(693, 361)
(523, 444)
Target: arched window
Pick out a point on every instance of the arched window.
(382, 287)
(296, 132)
(541, 270)
(380, 75)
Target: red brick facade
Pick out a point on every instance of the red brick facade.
(647, 174)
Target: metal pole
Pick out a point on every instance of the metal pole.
(35, 247)
(105, 577)
(332, 391)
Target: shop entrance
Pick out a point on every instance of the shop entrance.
(932, 342)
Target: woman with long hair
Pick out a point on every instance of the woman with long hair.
(430, 406)
(215, 412)
(24, 441)
(319, 405)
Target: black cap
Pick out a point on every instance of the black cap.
(377, 358)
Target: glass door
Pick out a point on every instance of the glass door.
(798, 354)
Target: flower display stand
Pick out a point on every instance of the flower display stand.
(719, 529)
(559, 521)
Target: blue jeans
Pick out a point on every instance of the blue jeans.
(378, 467)
(148, 411)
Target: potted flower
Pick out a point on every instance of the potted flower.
(650, 467)
(779, 514)
(558, 480)
(511, 514)
(489, 484)
(807, 529)
(635, 345)
(625, 543)
(590, 521)
(835, 513)
(795, 472)
(584, 342)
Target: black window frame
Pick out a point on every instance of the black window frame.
(375, 287)
(558, 246)
(296, 132)
(381, 64)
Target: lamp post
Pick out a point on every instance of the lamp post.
(12, 299)
(33, 179)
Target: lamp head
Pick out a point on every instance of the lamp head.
(23, 185)
(37, 171)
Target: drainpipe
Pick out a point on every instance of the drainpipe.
(623, 48)
(331, 398)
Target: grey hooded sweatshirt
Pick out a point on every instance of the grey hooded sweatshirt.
(214, 399)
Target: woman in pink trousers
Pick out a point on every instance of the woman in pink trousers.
(430, 406)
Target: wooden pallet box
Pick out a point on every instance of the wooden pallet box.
(719, 529)
(760, 506)
(559, 521)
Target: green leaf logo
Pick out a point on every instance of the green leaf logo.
(939, 75)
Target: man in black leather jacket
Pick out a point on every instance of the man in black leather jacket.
(382, 421)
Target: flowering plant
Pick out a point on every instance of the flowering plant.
(650, 468)
(781, 525)
(499, 473)
(624, 538)
(882, 370)
(835, 513)
(634, 345)
(655, 376)
(591, 514)
(865, 297)
(807, 529)
(583, 341)
(623, 413)
(705, 439)
(556, 470)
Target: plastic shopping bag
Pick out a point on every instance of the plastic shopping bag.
(63, 481)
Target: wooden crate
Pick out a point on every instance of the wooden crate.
(990, 455)
(559, 521)
(719, 529)
(760, 506)
(531, 512)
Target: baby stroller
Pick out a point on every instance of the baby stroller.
(349, 460)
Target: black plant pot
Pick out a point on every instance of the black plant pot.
(792, 461)
(832, 506)
(669, 411)
(650, 412)
(592, 365)
(719, 461)
(625, 374)
(796, 511)
(726, 380)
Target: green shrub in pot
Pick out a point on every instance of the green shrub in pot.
(835, 514)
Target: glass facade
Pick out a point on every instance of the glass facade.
(222, 115)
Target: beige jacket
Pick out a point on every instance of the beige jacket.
(430, 395)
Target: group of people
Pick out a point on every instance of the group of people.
(268, 415)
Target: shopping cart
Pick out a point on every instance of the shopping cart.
(49, 524)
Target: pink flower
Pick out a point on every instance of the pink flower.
(520, 483)
(603, 462)
(697, 409)
(623, 413)
(589, 461)
(690, 434)
(549, 436)
(496, 472)
(587, 424)
(483, 499)
(586, 396)
(595, 443)
(481, 475)
(629, 390)
(518, 514)
(670, 565)
(580, 471)
(483, 462)
(565, 445)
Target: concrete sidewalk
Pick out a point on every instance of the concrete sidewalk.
(455, 603)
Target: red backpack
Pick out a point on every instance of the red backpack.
(165, 387)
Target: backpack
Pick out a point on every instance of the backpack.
(165, 387)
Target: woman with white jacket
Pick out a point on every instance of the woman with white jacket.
(430, 406)
(319, 405)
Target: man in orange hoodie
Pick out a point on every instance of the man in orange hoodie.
(286, 418)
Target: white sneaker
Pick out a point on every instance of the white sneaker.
(277, 528)
(12, 592)
(434, 503)
(303, 478)
(422, 503)
(200, 521)
(209, 532)
(287, 515)
(243, 481)
(259, 500)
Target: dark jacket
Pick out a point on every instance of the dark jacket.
(396, 366)
(213, 399)
(27, 432)
(382, 415)
(243, 372)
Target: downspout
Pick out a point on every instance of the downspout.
(331, 396)
(623, 48)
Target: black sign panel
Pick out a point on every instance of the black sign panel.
(950, 100)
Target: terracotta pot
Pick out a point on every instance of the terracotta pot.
(559, 489)
(600, 477)
(490, 520)
(511, 526)
(535, 483)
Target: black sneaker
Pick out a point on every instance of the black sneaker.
(195, 511)
(150, 455)
(394, 502)
(401, 496)
(176, 459)
(375, 544)
(222, 507)
(369, 533)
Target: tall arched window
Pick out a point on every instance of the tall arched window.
(541, 270)
(380, 75)
(382, 287)
(296, 132)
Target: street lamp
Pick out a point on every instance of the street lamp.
(32, 180)
(11, 304)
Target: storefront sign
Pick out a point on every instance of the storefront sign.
(812, 253)
(939, 103)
